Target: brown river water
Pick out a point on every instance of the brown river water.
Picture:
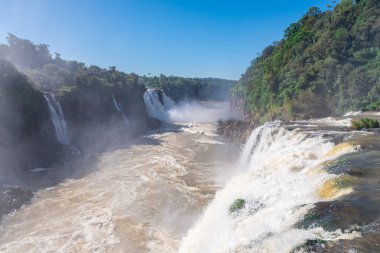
(310, 186)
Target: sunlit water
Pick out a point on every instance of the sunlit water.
(141, 198)
(308, 186)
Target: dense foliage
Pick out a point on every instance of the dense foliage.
(327, 63)
(237, 205)
(25, 128)
(365, 123)
(22, 108)
(86, 93)
(100, 105)
(180, 88)
(84, 90)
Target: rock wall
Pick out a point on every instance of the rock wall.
(235, 130)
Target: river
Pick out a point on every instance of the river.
(306, 186)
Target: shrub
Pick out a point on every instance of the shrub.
(364, 123)
(373, 106)
(237, 205)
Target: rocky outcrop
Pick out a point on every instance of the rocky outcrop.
(235, 130)
(12, 198)
(238, 105)
(26, 133)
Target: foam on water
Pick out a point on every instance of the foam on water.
(155, 108)
(330, 121)
(278, 191)
(182, 112)
(140, 199)
(352, 113)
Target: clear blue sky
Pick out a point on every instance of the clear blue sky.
(192, 38)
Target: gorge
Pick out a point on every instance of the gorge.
(285, 159)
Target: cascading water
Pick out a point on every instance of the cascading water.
(58, 119)
(168, 102)
(155, 108)
(257, 210)
(115, 103)
(119, 109)
(148, 197)
(162, 107)
(141, 198)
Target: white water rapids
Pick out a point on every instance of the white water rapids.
(172, 192)
(279, 185)
(189, 111)
(141, 198)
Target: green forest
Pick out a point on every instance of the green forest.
(55, 74)
(327, 63)
(87, 95)
(188, 88)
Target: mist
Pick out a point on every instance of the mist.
(196, 111)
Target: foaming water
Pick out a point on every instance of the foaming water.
(277, 190)
(179, 189)
(141, 198)
(157, 104)
(162, 107)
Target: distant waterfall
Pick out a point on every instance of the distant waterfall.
(119, 109)
(157, 104)
(115, 103)
(58, 119)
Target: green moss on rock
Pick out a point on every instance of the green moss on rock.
(237, 205)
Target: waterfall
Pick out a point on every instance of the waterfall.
(168, 102)
(156, 107)
(254, 140)
(118, 108)
(115, 103)
(276, 187)
(58, 119)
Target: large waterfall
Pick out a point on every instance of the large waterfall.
(58, 119)
(280, 173)
(158, 104)
(162, 107)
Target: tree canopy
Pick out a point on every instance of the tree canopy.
(327, 63)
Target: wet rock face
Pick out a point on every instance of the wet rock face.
(236, 130)
(160, 96)
(12, 198)
(153, 123)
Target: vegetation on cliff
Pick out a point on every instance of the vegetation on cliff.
(179, 88)
(106, 103)
(327, 63)
(26, 133)
(86, 93)
(23, 109)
